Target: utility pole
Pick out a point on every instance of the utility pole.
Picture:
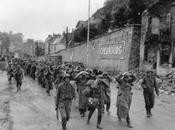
(88, 31)
(67, 33)
(0, 47)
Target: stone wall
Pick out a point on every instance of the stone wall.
(110, 52)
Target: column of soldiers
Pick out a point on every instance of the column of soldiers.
(91, 87)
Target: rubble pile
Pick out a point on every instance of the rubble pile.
(166, 83)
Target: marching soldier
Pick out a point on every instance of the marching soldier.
(95, 93)
(48, 80)
(149, 86)
(29, 67)
(10, 72)
(33, 70)
(18, 77)
(64, 97)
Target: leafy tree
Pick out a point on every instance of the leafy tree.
(118, 16)
(5, 41)
(105, 23)
(134, 11)
(81, 34)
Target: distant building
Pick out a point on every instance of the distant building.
(57, 45)
(30, 47)
(97, 17)
(81, 24)
(48, 43)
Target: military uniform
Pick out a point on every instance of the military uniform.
(149, 86)
(18, 77)
(96, 99)
(64, 97)
(33, 70)
(48, 80)
(10, 73)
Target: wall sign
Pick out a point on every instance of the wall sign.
(113, 51)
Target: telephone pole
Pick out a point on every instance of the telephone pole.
(88, 31)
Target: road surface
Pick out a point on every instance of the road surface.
(32, 109)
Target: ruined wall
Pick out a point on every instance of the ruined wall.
(108, 52)
(173, 21)
(144, 32)
(135, 49)
(161, 11)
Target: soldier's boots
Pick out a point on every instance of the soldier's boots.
(67, 118)
(48, 92)
(18, 88)
(99, 122)
(64, 123)
(129, 125)
(129, 122)
(119, 119)
(99, 127)
(64, 127)
(83, 114)
(148, 112)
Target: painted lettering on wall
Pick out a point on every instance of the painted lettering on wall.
(112, 50)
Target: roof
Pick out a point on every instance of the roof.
(81, 22)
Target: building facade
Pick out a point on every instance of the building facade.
(57, 45)
(30, 47)
(157, 47)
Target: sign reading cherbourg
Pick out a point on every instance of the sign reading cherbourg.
(112, 50)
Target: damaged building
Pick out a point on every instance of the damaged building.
(157, 47)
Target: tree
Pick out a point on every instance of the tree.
(118, 17)
(5, 41)
(134, 11)
(80, 34)
(106, 23)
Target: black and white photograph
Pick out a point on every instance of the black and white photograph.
(87, 64)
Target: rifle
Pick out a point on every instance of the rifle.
(57, 113)
(57, 116)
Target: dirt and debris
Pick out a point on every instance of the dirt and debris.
(166, 83)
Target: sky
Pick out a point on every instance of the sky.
(38, 18)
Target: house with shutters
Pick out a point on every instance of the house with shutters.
(157, 46)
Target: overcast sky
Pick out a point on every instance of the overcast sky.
(38, 18)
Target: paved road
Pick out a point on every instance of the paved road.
(32, 109)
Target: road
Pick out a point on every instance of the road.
(32, 109)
